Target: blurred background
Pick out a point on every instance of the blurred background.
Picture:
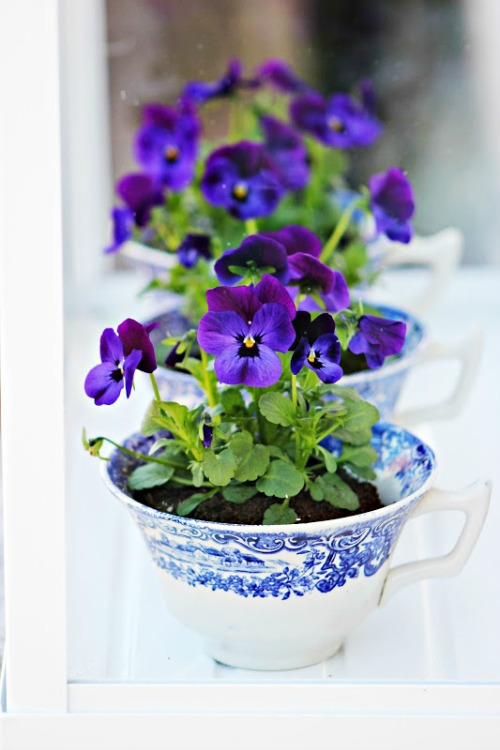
(433, 63)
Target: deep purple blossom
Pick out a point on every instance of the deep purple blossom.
(255, 252)
(192, 248)
(246, 300)
(296, 239)
(207, 431)
(228, 84)
(166, 144)
(278, 74)
(134, 335)
(392, 204)
(317, 347)
(340, 122)
(245, 341)
(377, 338)
(316, 284)
(288, 151)
(243, 179)
(140, 193)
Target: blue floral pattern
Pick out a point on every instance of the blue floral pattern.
(260, 561)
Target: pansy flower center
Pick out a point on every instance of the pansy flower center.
(171, 154)
(336, 124)
(312, 357)
(240, 191)
(249, 341)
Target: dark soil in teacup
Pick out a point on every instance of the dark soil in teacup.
(218, 509)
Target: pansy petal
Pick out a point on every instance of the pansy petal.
(323, 324)
(273, 326)
(135, 336)
(259, 371)
(256, 250)
(104, 384)
(111, 348)
(308, 270)
(297, 239)
(299, 356)
(219, 330)
(300, 324)
(241, 299)
(269, 289)
(130, 366)
(123, 224)
(338, 297)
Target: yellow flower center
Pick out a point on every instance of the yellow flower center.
(312, 357)
(171, 153)
(240, 191)
(249, 341)
(335, 123)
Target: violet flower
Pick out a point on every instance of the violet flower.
(166, 144)
(246, 300)
(207, 431)
(296, 239)
(317, 347)
(255, 252)
(288, 151)
(278, 74)
(377, 338)
(316, 284)
(243, 179)
(121, 355)
(232, 80)
(192, 248)
(140, 193)
(245, 347)
(340, 121)
(392, 204)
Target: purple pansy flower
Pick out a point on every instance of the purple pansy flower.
(288, 151)
(192, 248)
(246, 300)
(243, 179)
(317, 347)
(122, 354)
(231, 81)
(340, 121)
(392, 204)
(255, 252)
(280, 75)
(140, 193)
(377, 338)
(166, 144)
(296, 239)
(207, 431)
(320, 287)
(245, 347)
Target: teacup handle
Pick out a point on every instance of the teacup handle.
(440, 252)
(467, 351)
(474, 502)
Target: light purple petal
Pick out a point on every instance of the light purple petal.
(241, 299)
(260, 371)
(273, 325)
(104, 384)
(111, 348)
(129, 368)
(219, 330)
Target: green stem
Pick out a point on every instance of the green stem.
(338, 233)
(207, 385)
(251, 226)
(296, 432)
(155, 387)
(142, 456)
(189, 482)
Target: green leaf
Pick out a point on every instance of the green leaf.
(329, 459)
(253, 460)
(360, 455)
(196, 468)
(149, 475)
(277, 409)
(152, 420)
(239, 493)
(186, 506)
(277, 514)
(282, 479)
(232, 400)
(176, 412)
(363, 472)
(335, 491)
(219, 468)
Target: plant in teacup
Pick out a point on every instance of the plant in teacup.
(284, 160)
(272, 507)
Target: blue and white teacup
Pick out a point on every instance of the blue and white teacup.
(283, 597)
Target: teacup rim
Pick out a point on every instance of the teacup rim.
(295, 529)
